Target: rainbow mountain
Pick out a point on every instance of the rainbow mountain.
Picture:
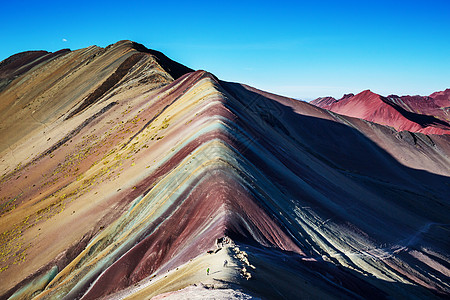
(126, 175)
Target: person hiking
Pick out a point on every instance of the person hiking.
(207, 271)
(225, 263)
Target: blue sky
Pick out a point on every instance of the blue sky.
(301, 49)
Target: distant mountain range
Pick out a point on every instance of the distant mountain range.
(126, 175)
(425, 114)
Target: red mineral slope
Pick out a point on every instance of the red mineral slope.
(429, 115)
(442, 98)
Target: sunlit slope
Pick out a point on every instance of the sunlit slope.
(142, 183)
(424, 114)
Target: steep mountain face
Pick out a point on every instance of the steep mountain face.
(442, 98)
(17, 64)
(127, 175)
(429, 115)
